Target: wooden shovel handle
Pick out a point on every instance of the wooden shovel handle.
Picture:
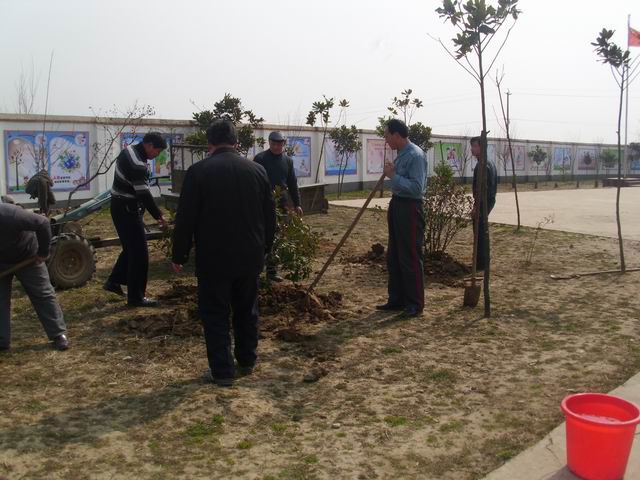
(346, 235)
(18, 266)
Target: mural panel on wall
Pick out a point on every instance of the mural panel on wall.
(65, 156)
(377, 153)
(301, 147)
(333, 165)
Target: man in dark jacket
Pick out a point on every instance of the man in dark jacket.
(26, 235)
(282, 175)
(226, 205)
(130, 196)
(491, 179)
(40, 186)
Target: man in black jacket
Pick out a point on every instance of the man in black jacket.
(226, 205)
(491, 181)
(26, 235)
(40, 186)
(282, 174)
(130, 196)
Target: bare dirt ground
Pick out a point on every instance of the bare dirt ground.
(341, 391)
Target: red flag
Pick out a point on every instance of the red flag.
(634, 38)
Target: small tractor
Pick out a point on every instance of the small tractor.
(72, 261)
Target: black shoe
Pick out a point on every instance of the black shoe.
(275, 278)
(244, 371)
(113, 288)
(390, 307)
(411, 311)
(221, 382)
(145, 302)
(61, 342)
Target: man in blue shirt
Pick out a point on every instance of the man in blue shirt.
(408, 174)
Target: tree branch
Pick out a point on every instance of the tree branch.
(500, 49)
(615, 73)
(476, 77)
(494, 34)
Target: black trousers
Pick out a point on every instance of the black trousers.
(223, 302)
(405, 255)
(481, 258)
(132, 266)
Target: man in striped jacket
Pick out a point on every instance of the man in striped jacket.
(130, 197)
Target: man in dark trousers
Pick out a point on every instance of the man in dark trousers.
(491, 178)
(40, 186)
(408, 174)
(130, 197)
(282, 174)
(227, 207)
(26, 235)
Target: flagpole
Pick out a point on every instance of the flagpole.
(626, 110)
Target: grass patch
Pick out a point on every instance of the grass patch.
(244, 445)
(202, 431)
(443, 376)
(395, 421)
(452, 426)
(391, 350)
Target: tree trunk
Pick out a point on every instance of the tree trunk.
(483, 190)
(324, 136)
(620, 241)
(513, 170)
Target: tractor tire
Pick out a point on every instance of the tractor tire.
(72, 227)
(72, 262)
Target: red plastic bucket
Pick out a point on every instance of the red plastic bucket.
(600, 430)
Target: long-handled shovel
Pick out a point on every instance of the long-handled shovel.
(346, 235)
(18, 266)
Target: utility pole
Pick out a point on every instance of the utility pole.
(626, 109)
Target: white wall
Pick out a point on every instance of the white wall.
(98, 133)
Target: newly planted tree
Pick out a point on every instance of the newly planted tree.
(347, 143)
(321, 112)
(538, 156)
(623, 70)
(608, 159)
(507, 129)
(404, 108)
(478, 25)
(114, 124)
(465, 157)
(229, 108)
(634, 156)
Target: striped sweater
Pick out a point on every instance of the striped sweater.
(131, 179)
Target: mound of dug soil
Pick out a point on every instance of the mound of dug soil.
(284, 309)
(439, 267)
(443, 268)
(375, 256)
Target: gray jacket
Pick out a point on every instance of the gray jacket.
(24, 234)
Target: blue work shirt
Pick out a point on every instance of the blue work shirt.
(410, 180)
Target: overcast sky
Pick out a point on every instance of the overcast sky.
(281, 55)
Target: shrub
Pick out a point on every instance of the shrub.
(447, 209)
(294, 246)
